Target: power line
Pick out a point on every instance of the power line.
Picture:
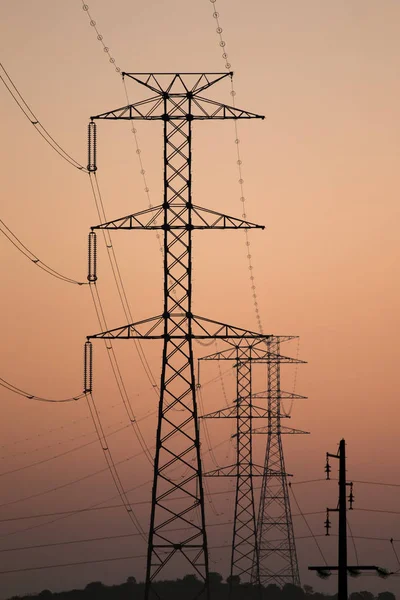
(96, 539)
(86, 562)
(16, 242)
(56, 456)
(133, 127)
(377, 483)
(239, 163)
(16, 390)
(111, 464)
(303, 515)
(30, 115)
(118, 376)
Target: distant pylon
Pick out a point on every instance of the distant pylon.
(277, 557)
(244, 554)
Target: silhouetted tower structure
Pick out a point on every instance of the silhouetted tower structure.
(343, 568)
(277, 557)
(177, 525)
(245, 555)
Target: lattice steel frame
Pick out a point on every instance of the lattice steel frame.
(276, 561)
(244, 554)
(176, 101)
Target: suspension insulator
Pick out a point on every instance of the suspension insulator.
(88, 368)
(92, 147)
(92, 257)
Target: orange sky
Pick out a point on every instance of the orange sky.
(320, 173)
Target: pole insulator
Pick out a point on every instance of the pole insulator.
(327, 522)
(327, 468)
(88, 368)
(92, 257)
(351, 496)
(92, 147)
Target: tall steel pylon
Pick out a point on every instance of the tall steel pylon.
(276, 560)
(177, 521)
(244, 553)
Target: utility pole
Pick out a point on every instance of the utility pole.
(177, 533)
(342, 567)
(245, 553)
(277, 556)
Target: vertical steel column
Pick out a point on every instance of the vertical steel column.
(177, 442)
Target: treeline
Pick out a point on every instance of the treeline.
(190, 587)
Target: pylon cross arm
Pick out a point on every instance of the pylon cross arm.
(202, 218)
(282, 429)
(201, 328)
(175, 83)
(232, 471)
(152, 109)
(232, 413)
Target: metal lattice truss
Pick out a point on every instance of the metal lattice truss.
(202, 218)
(184, 100)
(244, 539)
(277, 557)
(177, 522)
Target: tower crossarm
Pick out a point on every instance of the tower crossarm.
(232, 471)
(231, 412)
(202, 218)
(259, 354)
(283, 429)
(202, 328)
(177, 83)
(283, 395)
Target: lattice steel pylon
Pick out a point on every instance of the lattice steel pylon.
(276, 561)
(177, 521)
(244, 553)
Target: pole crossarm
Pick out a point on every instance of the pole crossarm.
(354, 571)
(283, 429)
(202, 218)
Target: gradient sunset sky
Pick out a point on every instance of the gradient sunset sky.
(321, 172)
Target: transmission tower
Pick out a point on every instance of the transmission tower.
(244, 555)
(276, 561)
(177, 522)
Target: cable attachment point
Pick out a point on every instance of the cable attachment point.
(88, 368)
(92, 147)
(327, 522)
(327, 467)
(351, 496)
(92, 257)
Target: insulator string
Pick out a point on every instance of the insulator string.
(92, 257)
